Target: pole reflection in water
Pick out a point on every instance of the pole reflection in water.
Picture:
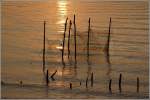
(107, 59)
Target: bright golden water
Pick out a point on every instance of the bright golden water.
(22, 44)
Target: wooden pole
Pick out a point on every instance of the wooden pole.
(64, 40)
(138, 85)
(110, 86)
(44, 47)
(71, 86)
(87, 82)
(108, 40)
(47, 79)
(69, 39)
(120, 77)
(80, 83)
(92, 80)
(21, 82)
(52, 76)
(75, 37)
(88, 38)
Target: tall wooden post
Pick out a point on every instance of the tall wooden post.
(69, 39)
(108, 40)
(88, 38)
(64, 40)
(44, 47)
(75, 38)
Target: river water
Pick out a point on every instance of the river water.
(22, 45)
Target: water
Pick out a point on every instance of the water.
(22, 44)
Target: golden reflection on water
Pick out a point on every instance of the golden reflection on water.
(59, 47)
(62, 11)
(68, 71)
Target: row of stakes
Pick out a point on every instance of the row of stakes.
(92, 82)
(75, 45)
(64, 35)
(119, 84)
(88, 37)
(107, 50)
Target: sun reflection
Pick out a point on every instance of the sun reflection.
(59, 47)
(66, 72)
(62, 10)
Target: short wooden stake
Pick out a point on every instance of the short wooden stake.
(92, 80)
(120, 78)
(138, 84)
(47, 78)
(110, 85)
(71, 86)
(87, 82)
(80, 83)
(21, 83)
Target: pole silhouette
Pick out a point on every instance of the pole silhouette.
(138, 85)
(47, 79)
(108, 40)
(74, 21)
(110, 85)
(44, 47)
(88, 37)
(64, 40)
(69, 39)
(71, 86)
(92, 79)
(120, 78)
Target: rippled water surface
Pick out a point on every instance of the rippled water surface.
(22, 45)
